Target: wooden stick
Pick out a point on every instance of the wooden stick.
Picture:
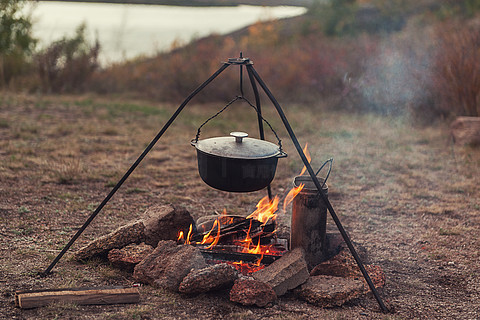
(80, 296)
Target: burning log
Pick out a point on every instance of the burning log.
(236, 230)
(216, 255)
(247, 243)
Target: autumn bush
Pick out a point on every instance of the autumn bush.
(67, 64)
(456, 77)
(296, 68)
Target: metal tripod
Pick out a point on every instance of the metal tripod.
(254, 79)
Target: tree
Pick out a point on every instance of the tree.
(16, 41)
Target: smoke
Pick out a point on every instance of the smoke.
(396, 80)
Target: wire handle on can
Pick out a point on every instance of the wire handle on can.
(329, 170)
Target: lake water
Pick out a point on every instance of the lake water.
(127, 31)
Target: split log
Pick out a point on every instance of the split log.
(80, 296)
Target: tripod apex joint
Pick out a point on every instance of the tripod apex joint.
(239, 61)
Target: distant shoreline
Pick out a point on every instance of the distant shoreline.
(204, 3)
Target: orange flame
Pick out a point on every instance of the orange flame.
(257, 263)
(189, 235)
(225, 219)
(309, 158)
(247, 241)
(207, 238)
(265, 210)
(291, 195)
(180, 237)
(215, 241)
(257, 249)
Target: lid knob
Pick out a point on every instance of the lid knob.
(239, 136)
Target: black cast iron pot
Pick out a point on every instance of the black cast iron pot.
(237, 163)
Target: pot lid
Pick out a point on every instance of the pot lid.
(238, 146)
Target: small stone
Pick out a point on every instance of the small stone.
(127, 257)
(168, 264)
(327, 291)
(163, 222)
(466, 131)
(341, 265)
(133, 232)
(377, 276)
(210, 278)
(286, 273)
(252, 292)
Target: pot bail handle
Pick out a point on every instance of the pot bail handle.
(328, 172)
(197, 136)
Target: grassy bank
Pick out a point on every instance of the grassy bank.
(203, 3)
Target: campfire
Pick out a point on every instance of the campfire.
(247, 243)
(233, 244)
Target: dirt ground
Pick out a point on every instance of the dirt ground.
(404, 193)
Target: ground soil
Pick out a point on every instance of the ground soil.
(404, 193)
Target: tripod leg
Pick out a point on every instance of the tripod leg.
(132, 168)
(344, 234)
(260, 122)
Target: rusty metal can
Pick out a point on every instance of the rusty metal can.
(309, 221)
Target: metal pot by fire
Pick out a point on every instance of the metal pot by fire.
(237, 163)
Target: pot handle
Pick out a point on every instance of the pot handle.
(282, 154)
(197, 136)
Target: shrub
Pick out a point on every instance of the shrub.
(457, 69)
(16, 41)
(67, 64)
(349, 18)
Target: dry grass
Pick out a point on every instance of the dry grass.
(403, 192)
